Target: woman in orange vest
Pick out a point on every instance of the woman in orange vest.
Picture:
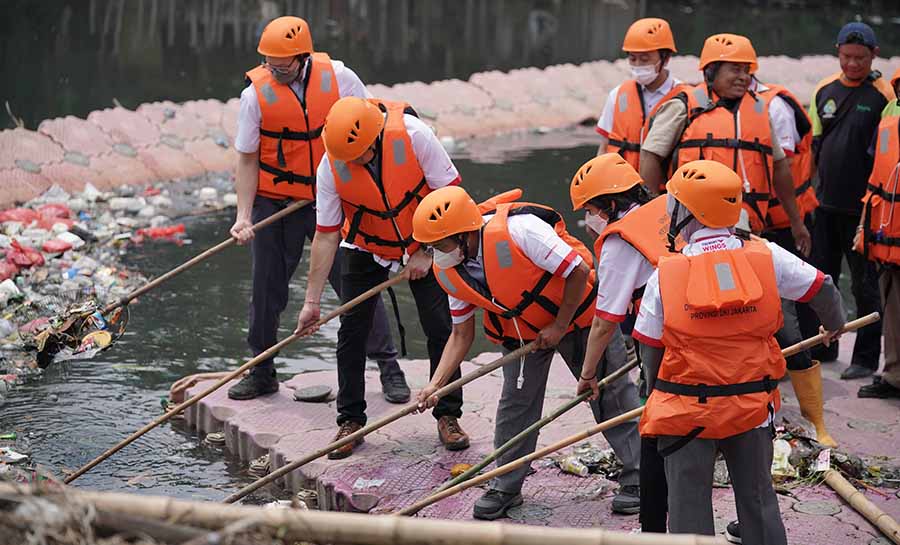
(879, 237)
(381, 161)
(531, 278)
(632, 238)
(714, 309)
(649, 44)
(723, 121)
(279, 145)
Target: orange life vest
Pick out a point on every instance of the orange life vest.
(801, 162)
(379, 201)
(647, 229)
(628, 123)
(517, 292)
(881, 224)
(712, 133)
(290, 132)
(719, 375)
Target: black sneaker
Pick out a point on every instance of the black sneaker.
(494, 504)
(628, 500)
(254, 385)
(857, 371)
(394, 387)
(733, 532)
(879, 389)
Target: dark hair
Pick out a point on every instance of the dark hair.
(710, 71)
(634, 195)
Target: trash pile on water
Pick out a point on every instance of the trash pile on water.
(60, 265)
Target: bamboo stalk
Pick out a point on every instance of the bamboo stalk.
(224, 380)
(360, 529)
(815, 340)
(380, 423)
(863, 506)
(559, 411)
(125, 299)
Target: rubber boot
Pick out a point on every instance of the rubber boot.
(808, 387)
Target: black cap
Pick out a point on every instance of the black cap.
(862, 32)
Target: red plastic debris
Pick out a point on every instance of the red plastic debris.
(151, 191)
(24, 215)
(8, 270)
(54, 210)
(23, 256)
(35, 325)
(56, 246)
(156, 233)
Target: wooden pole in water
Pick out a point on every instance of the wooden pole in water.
(124, 300)
(863, 506)
(355, 528)
(381, 422)
(234, 374)
(559, 411)
(502, 470)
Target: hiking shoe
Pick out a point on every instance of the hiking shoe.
(733, 532)
(628, 500)
(494, 504)
(254, 385)
(879, 389)
(394, 387)
(346, 429)
(452, 435)
(857, 371)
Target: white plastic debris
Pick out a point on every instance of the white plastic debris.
(230, 199)
(781, 466)
(160, 201)
(72, 239)
(90, 193)
(59, 228)
(208, 194)
(10, 456)
(55, 194)
(367, 483)
(147, 212)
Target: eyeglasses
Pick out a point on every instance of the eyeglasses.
(278, 70)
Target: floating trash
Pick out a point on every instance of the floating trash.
(308, 497)
(216, 439)
(571, 464)
(459, 469)
(9, 456)
(260, 466)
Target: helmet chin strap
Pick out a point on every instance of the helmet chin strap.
(676, 226)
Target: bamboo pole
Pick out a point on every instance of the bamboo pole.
(360, 529)
(863, 506)
(237, 372)
(559, 411)
(380, 423)
(125, 299)
(502, 470)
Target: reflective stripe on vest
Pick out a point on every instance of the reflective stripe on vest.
(719, 374)
(379, 210)
(628, 123)
(290, 144)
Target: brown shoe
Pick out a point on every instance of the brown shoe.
(346, 429)
(452, 435)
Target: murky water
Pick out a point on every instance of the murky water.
(197, 323)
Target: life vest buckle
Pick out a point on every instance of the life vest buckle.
(702, 394)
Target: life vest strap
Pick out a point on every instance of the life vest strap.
(704, 391)
(800, 190)
(361, 210)
(286, 175)
(286, 134)
(625, 145)
(681, 442)
(881, 192)
(729, 143)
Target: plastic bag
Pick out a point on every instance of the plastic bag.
(8, 270)
(23, 256)
(54, 210)
(23, 215)
(56, 246)
(156, 233)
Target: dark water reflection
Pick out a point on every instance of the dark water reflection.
(196, 323)
(60, 57)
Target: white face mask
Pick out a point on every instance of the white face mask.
(644, 74)
(449, 260)
(596, 223)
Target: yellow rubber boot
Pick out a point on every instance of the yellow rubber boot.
(808, 387)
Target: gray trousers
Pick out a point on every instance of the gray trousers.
(689, 471)
(518, 409)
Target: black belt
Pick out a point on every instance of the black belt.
(625, 145)
(286, 134)
(730, 143)
(704, 391)
(286, 175)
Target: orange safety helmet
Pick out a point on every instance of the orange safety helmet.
(728, 48)
(445, 212)
(352, 125)
(603, 175)
(648, 35)
(711, 191)
(285, 37)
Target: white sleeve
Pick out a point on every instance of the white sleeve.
(349, 84)
(648, 328)
(249, 119)
(797, 280)
(605, 123)
(436, 164)
(784, 123)
(621, 269)
(460, 311)
(329, 213)
(540, 243)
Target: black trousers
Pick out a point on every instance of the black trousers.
(276, 252)
(360, 273)
(654, 488)
(832, 243)
(790, 334)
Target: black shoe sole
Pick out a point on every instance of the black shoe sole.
(627, 510)
(462, 445)
(500, 513)
(396, 400)
(247, 397)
